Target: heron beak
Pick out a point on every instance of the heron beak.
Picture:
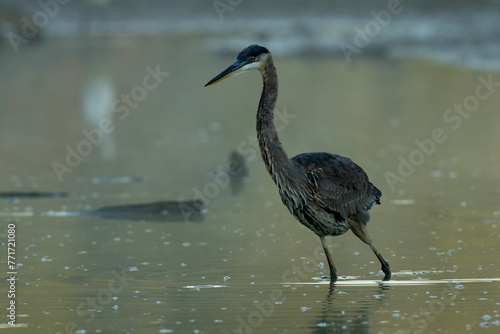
(234, 69)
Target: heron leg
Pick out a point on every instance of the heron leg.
(360, 229)
(333, 270)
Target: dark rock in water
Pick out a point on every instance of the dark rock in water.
(15, 14)
(238, 172)
(168, 211)
(33, 194)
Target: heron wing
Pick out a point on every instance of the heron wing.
(339, 185)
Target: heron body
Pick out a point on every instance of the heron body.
(327, 193)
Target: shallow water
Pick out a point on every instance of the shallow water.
(248, 266)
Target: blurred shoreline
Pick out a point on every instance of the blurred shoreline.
(452, 32)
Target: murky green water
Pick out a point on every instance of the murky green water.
(248, 266)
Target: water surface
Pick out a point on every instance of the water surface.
(248, 266)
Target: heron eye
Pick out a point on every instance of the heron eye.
(251, 58)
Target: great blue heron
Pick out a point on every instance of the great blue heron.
(325, 192)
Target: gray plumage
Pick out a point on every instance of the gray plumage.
(327, 193)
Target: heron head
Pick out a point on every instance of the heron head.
(251, 58)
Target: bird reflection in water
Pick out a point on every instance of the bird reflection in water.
(349, 309)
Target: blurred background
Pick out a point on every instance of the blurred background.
(103, 105)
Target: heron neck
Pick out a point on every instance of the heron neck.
(273, 154)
